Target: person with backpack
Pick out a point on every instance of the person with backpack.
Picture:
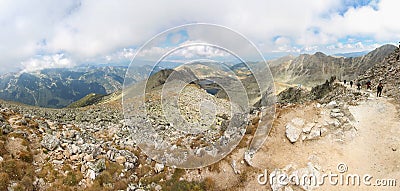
(368, 85)
(379, 90)
(351, 83)
(358, 86)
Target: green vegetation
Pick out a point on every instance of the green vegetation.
(89, 99)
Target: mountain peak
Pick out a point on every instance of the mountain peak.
(319, 54)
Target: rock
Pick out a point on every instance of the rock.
(331, 105)
(298, 122)
(234, 167)
(120, 160)
(129, 165)
(100, 165)
(91, 174)
(6, 129)
(1, 159)
(308, 127)
(248, 156)
(88, 158)
(158, 188)
(323, 131)
(50, 142)
(315, 133)
(337, 115)
(158, 168)
(74, 157)
(335, 110)
(73, 149)
(58, 162)
(292, 133)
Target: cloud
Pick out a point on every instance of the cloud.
(101, 29)
(47, 61)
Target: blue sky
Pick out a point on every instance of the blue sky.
(50, 33)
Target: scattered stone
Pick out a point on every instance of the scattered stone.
(331, 105)
(292, 132)
(298, 122)
(308, 127)
(120, 160)
(315, 133)
(91, 174)
(158, 188)
(50, 142)
(234, 167)
(158, 168)
(100, 165)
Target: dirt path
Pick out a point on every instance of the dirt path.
(375, 150)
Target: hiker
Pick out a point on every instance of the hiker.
(351, 83)
(344, 81)
(368, 85)
(379, 90)
(358, 86)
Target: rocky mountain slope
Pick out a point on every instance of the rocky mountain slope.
(310, 70)
(387, 73)
(58, 88)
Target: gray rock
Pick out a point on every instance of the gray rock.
(100, 165)
(292, 132)
(234, 167)
(6, 129)
(315, 133)
(298, 122)
(308, 127)
(332, 104)
(91, 174)
(50, 142)
(337, 115)
(158, 168)
(129, 165)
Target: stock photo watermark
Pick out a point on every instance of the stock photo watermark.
(340, 178)
(170, 116)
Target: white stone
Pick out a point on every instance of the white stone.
(331, 105)
(308, 127)
(337, 115)
(91, 174)
(158, 167)
(298, 122)
(292, 132)
(315, 133)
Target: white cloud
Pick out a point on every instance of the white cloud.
(47, 61)
(91, 29)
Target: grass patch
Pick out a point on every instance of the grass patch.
(48, 173)
(17, 169)
(4, 180)
(73, 178)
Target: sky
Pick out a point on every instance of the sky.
(37, 34)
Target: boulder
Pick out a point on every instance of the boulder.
(158, 167)
(292, 132)
(50, 142)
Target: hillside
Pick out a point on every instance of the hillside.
(310, 70)
(56, 88)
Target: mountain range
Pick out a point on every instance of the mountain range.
(60, 87)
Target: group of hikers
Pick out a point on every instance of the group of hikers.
(368, 84)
